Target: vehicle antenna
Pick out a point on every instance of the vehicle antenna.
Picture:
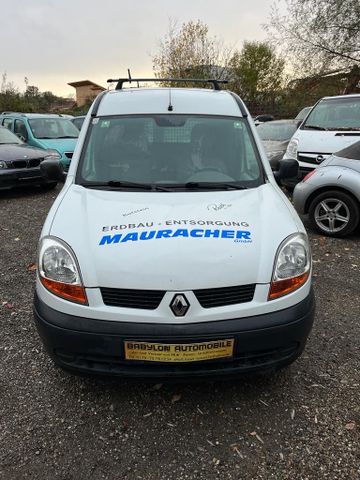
(170, 107)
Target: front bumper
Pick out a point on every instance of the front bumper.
(262, 342)
(21, 176)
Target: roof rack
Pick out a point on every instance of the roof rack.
(120, 81)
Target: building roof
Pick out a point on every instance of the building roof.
(85, 83)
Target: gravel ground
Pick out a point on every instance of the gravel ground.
(302, 423)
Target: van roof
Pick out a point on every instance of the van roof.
(357, 95)
(32, 115)
(196, 101)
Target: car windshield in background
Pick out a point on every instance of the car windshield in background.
(53, 128)
(9, 138)
(302, 114)
(277, 131)
(335, 114)
(78, 121)
(174, 150)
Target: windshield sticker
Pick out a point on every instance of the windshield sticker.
(238, 236)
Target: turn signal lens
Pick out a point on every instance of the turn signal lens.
(74, 293)
(283, 287)
(308, 175)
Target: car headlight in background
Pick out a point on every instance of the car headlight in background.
(59, 271)
(2, 164)
(52, 153)
(292, 266)
(291, 151)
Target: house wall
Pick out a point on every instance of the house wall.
(85, 93)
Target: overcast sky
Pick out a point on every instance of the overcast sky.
(53, 42)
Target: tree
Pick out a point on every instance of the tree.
(257, 72)
(318, 34)
(31, 101)
(189, 52)
(32, 91)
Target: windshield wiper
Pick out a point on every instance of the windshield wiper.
(213, 186)
(67, 136)
(127, 185)
(314, 127)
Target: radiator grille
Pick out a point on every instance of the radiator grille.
(123, 297)
(150, 299)
(219, 297)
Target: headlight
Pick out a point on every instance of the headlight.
(2, 164)
(292, 266)
(291, 151)
(59, 271)
(52, 153)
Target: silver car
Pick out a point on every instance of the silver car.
(330, 194)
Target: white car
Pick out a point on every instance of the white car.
(171, 251)
(332, 124)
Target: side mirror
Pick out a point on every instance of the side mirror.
(288, 168)
(53, 170)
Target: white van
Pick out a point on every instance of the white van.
(333, 124)
(171, 251)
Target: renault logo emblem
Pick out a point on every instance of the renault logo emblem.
(179, 305)
(319, 159)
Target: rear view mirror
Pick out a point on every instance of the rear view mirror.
(53, 170)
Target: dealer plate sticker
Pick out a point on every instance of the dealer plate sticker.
(178, 352)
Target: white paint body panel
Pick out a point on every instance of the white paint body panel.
(81, 217)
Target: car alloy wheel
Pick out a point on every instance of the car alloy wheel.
(334, 213)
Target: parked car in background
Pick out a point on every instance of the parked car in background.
(263, 118)
(20, 163)
(303, 113)
(46, 131)
(332, 124)
(78, 121)
(330, 195)
(275, 137)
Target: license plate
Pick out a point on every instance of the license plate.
(178, 352)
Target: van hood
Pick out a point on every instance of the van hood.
(325, 142)
(174, 240)
(60, 144)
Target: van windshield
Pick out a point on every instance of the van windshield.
(49, 128)
(335, 114)
(172, 150)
